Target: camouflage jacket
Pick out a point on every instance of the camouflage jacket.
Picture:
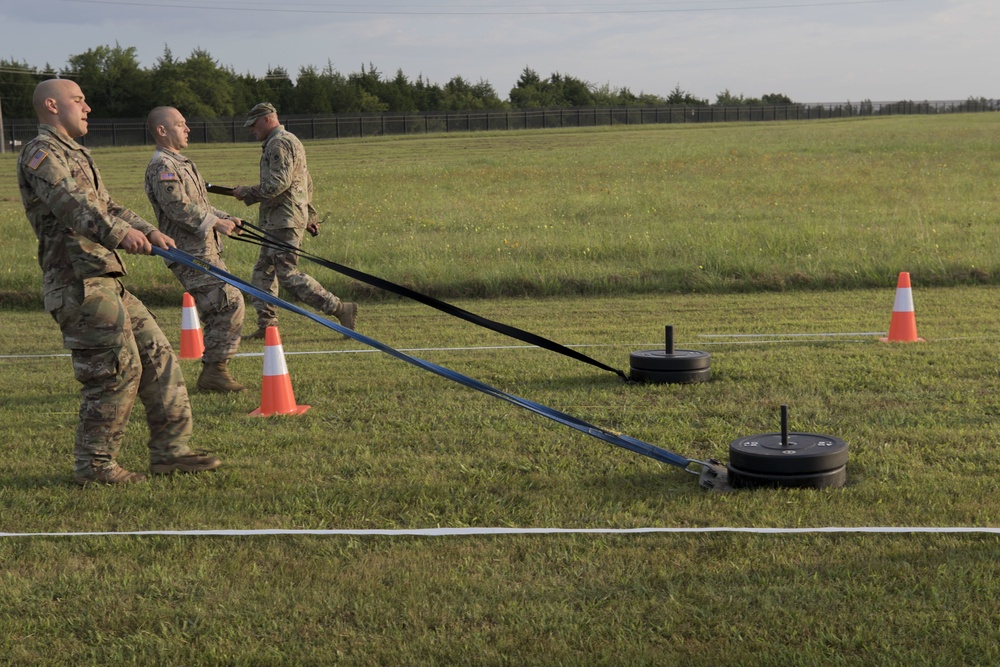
(180, 202)
(77, 224)
(285, 189)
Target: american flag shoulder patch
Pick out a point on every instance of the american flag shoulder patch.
(168, 176)
(37, 158)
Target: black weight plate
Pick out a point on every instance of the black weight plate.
(806, 453)
(659, 360)
(670, 377)
(828, 479)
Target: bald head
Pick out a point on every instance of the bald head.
(169, 128)
(51, 89)
(61, 104)
(157, 116)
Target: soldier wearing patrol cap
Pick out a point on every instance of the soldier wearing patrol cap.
(180, 201)
(285, 197)
(117, 348)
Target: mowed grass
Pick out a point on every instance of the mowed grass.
(387, 445)
(641, 209)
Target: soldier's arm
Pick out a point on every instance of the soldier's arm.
(312, 225)
(164, 185)
(281, 169)
(130, 217)
(53, 185)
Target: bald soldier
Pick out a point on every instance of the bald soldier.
(180, 202)
(285, 197)
(117, 348)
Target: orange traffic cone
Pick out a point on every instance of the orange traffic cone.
(192, 342)
(903, 327)
(276, 397)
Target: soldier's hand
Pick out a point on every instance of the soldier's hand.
(313, 228)
(227, 226)
(161, 240)
(135, 243)
(241, 192)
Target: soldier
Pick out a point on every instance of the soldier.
(285, 197)
(117, 348)
(180, 202)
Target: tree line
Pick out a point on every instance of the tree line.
(117, 86)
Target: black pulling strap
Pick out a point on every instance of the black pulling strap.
(258, 236)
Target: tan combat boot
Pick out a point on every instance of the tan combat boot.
(347, 313)
(113, 474)
(215, 377)
(193, 462)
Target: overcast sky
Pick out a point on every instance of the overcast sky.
(810, 50)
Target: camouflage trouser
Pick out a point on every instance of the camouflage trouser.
(220, 310)
(275, 267)
(118, 352)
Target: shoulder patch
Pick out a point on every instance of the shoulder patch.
(168, 176)
(37, 158)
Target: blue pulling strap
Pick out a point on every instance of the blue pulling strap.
(619, 440)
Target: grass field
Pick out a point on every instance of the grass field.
(640, 209)
(387, 446)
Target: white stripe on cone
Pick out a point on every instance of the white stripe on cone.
(904, 300)
(189, 318)
(274, 361)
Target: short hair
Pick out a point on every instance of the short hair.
(156, 117)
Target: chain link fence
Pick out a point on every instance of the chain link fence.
(132, 131)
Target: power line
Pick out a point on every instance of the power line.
(7, 69)
(463, 10)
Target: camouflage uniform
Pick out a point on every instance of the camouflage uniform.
(183, 212)
(117, 348)
(285, 196)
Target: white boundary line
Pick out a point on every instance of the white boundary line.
(455, 532)
(736, 339)
(350, 351)
(790, 335)
(740, 339)
(658, 345)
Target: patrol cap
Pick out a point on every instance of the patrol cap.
(262, 109)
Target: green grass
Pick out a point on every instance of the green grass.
(648, 209)
(389, 446)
